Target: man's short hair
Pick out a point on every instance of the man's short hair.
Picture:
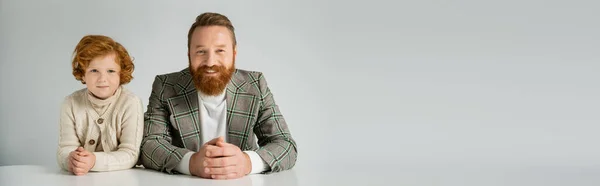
(212, 19)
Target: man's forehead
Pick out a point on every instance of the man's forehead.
(212, 31)
(215, 45)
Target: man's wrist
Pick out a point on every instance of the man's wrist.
(191, 169)
(248, 164)
(258, 164)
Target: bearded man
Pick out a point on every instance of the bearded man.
(212, 120)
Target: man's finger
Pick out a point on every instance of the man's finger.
(214, 141)
(220, 152)
(211, 148)
(219, 162)
(224, 144)
(221, 170)
(225, 177)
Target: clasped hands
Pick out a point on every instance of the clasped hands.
(217, 159)
(81, 161)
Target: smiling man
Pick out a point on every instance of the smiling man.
(204, 120)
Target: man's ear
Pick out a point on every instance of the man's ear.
(234, 51)
(189, 59)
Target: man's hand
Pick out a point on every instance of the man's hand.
(81, 161)
(196, 161)
(226, 161)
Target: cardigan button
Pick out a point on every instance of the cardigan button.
(92, 142)
(100, 121)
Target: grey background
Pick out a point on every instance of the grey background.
(373, 82)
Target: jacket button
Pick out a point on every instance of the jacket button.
(92, 142)
(100, 121)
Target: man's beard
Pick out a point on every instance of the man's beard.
(212, 85)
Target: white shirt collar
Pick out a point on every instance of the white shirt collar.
(212, 99)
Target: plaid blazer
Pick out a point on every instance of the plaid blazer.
(172, 123)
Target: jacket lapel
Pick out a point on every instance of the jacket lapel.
(184, 110)
(242, 110)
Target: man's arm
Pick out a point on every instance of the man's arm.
(157, 151)
(277, 147)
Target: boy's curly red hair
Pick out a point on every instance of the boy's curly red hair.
(93, 46)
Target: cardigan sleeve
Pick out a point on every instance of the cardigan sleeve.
(67, 137)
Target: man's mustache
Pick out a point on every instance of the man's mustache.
(217, 68)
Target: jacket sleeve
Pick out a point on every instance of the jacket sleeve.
(157, 150)
(276, 145)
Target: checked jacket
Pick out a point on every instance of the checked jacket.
(172, 121)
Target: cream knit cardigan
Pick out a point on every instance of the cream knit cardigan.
(112, 129)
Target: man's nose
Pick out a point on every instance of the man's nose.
(211, 60)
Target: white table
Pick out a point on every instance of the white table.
(37, 175)
(413, 175)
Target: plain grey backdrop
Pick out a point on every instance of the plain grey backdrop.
(453, 82)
